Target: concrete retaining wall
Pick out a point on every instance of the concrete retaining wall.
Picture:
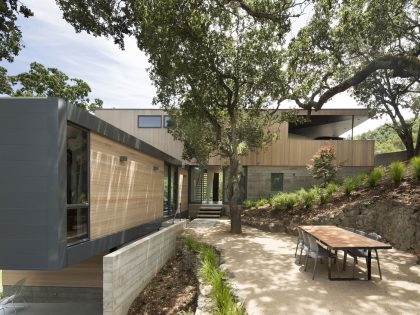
(128, 270)
(387, 158)
(295, 177)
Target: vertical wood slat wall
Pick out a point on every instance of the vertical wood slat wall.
(184, 192)
(122, 194)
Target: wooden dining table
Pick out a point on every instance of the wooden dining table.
(335, 238)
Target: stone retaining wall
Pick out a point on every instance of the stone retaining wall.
(128, 270)
(397, 223)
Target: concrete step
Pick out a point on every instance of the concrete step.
(208, 216)
(210, 212)
(212, 208)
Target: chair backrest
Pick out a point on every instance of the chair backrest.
(300, 234)
(374, 236)
(305, 237)
(313, 245)
(18, 287)
(360, 232)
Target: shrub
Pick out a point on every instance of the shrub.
(324, 197)
(248, 203)
(396, 171)
(284, 200)
(331, 188)
(307, 197)
(361, 179)
(261, 202)
(349, 185)
(374, 176)
(322, 165)
(415, 165)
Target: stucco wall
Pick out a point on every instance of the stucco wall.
(128, 270)
(295, 177)
(387, 158)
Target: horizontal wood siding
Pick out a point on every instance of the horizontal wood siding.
(122, 194)
(87, 274)
(298, 152)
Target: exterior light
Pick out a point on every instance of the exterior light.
(123, 158)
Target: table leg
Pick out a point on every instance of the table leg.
(329, 268)
(369, 264)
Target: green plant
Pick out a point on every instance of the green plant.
(261, 202)
(375, 176)
(324, 196)
(396, 171)
(211, 273)
(331, 188)
(349, 185)
(248, 203)
(361, 179)
(415, 165)
(307, 197)
(322, 165)
(284, 201)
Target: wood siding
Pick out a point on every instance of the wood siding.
(184, 192)
(297, 152)
(126, 120)
(87, 274)
(284, 151)
(122, 194)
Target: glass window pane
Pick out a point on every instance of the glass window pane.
(195, 182)
(276, 181)
(150, 121)
(77, 165)
(166, 206)
(77, 225)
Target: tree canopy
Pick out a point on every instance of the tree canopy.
(10, 34)
(42, 81)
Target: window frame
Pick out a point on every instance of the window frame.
(140, 116)
(83, 205)
(282, 181)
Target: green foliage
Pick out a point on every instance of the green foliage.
(349, 185)
(415, 165)
(322, 165)
(324, 197)
(211, 273)
(283, 201)
(248, 203)
(308, 197)
(375, 176)
(396, 171)
(261, 202)
(41, 81)
(10, 33)
(331, 188)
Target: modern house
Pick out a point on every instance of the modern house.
(72, 189)
(75, 187)
(280, 166)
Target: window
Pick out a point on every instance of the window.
(150, 121)
(165, 121)
(276, 181)
(170, 189)
(77, 184)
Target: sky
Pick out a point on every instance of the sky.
(118, 77)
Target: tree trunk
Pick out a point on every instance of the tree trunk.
(417, 148)
(233, 181)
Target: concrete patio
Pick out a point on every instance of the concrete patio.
(267, 277)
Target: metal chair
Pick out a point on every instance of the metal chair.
(299, 241)
(304, 245)
(362, 253)
(317, 251)
(9, 301)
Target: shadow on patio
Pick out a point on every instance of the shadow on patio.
(267, 277)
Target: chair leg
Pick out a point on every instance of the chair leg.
(379, 265)
(354, 264)
(313, 274)
(306, 261)
(300, 256)
(344, 260)
(297, 245)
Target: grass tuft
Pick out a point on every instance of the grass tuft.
(396, 171)
(375, 176)
(415, 166)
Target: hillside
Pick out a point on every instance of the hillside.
(392, 211)
(386, 139)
